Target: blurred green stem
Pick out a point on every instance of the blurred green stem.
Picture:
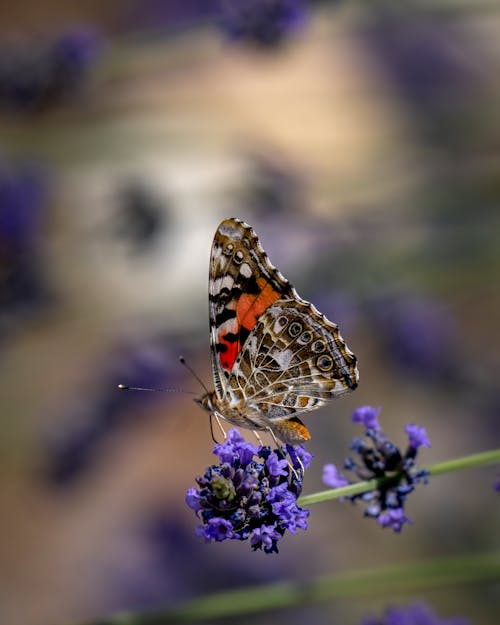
(397, 579)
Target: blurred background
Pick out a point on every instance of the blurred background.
(362, 142)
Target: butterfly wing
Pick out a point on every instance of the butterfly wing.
(242, 285)
(293, 362)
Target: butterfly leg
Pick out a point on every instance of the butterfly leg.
(212, 430)
(257, 436)
(302, 467)
(214, 416)
(273, 436)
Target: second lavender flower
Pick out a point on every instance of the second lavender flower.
(378, 457)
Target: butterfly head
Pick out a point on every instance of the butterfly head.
(206, 402)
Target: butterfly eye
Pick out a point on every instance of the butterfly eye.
(318, 347)
(295, 329)
(228, 250)
(238, 257)
(325, 363)
(305, 338)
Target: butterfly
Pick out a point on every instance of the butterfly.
(274, 356)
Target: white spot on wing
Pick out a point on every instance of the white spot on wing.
(245, 270)
(283, 358)
(221, 283)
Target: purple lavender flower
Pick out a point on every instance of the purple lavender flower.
(252, 494)
(416, 614)
(193, 499)
(332, 477)
(394, 518)
(380, 458)
(265, 537)
(417, 436)
(234, 445)
(275, 466)
(216, 528)
(367, 415)
(263, 23)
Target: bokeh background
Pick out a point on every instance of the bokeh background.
(362, 142)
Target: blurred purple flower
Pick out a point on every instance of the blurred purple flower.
(420, 334)
(262, 23)
(164, 16)
(335, 303)
(23, 204)
(250, 496)
(152, 566)
(74, 443)
(496, 485)
(394, 518)
(425, 61)
(34, 76)
(380, 458)
(72, 54)
(416, 614)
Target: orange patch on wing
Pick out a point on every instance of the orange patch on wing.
(251, 307)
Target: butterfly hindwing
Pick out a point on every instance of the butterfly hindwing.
(292, 362)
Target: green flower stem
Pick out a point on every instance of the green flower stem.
(399, 579)
(466, 462)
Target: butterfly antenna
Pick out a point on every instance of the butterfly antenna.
(123, 387)
(182, 360)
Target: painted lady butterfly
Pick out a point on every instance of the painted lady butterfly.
(274, 356)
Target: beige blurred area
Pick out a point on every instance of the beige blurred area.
(189, 115)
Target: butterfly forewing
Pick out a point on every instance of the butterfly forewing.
(242, 285)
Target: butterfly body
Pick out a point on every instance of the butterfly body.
(274, 356)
